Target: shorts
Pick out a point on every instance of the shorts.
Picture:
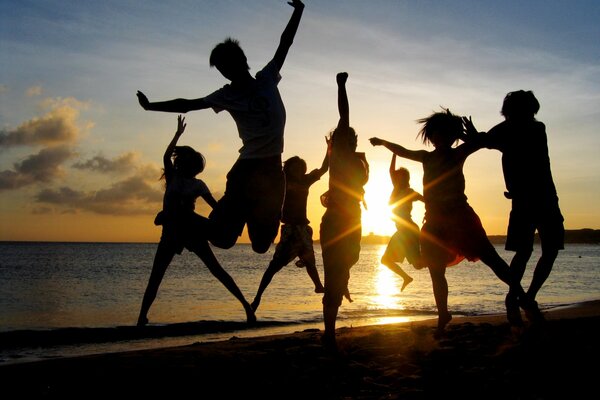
(449, 237)
(526, 219)
(295, 241)
(340, 245)
(253, 197)
(404, 244)
(185, 233)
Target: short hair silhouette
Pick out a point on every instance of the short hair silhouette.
(443, 122)
(228, 52)
(520, 104)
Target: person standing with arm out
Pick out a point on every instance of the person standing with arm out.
(528, 177)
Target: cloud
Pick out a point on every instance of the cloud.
(121, 164)
(43, 167)
(135, 195)
(58, 126)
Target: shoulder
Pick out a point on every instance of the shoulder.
(269, 72)
(200, 185)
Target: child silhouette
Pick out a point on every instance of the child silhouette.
(404, 243)
(296, 233)
(181, 226)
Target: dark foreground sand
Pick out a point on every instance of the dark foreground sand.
(480, 357)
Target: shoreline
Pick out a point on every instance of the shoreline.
(479, 357)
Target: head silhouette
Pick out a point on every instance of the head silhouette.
(229, 58)
(441, 129)
(351, 137)
(401, 178)
(520, 105)
(294, 168)
(187, 161)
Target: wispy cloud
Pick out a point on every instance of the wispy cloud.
(43, 167)
(121, 164)
(57, 126)
(135, 195)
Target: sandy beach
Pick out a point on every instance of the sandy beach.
(479, 357)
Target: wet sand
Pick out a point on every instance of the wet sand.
(478, 357)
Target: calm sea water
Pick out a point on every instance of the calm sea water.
(50, 288)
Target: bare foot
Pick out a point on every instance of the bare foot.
(407, 280)
(142, 321)
(443, 320)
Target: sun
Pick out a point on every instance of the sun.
(377, 218)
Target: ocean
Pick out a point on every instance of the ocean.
(69, 299)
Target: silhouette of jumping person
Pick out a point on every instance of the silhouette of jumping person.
(181, 226)
(255, 185)
(296, 233)
(404, 243)
(452, 230)
(341, 229)
(527, 174)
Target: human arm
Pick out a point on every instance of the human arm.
(343, 105)
(415, 155)
(393, 164)
(168, 164)
(210, 200)
(325, 164)
(287, 37)
(175, 105)
(419, 197)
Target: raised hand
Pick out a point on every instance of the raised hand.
(341, 78)
(469, 128)
(296, 4)
(180, 125)
(143, 100)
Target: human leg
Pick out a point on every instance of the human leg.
(440, 295)
(265, 191)
(395, 253)
(228, 217)
(205, 253)
(163, 257)
(517, 269)
(273, 268)
(552, 236)
(306, 255)
(542, 271)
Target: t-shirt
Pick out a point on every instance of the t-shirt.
(296, 195)
(443, 179)
(181, 194)
(258, 112)
(525, 160)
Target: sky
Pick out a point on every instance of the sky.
(80, 160)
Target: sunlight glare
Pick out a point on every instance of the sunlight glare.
(377, 218)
